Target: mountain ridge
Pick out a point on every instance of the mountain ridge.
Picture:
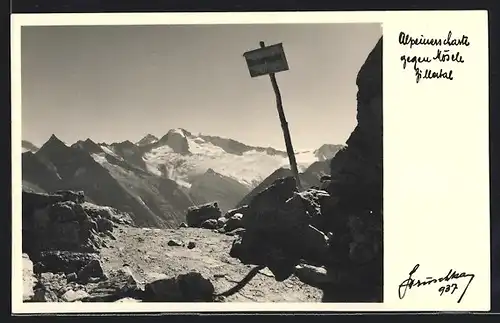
(158, 179)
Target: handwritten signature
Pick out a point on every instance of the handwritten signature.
(411, 282)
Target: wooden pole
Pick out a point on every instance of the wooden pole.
(284, 126)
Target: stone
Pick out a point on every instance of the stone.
(196, 215)
(191, 245)
(233, 223)
(288, 228)
(29, 279)
(242, 210)
(221, 221)
(72, 277)
(237, 216)
(92, 269)
(104, 225)
(312, 275)
(174, 243)
(236, 232)
(72, 296)
(209, 224)
(183, 225)
(189, 287)
(119, 284)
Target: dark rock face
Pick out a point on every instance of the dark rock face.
(357, 170)
(176, 139)
(339, 227)
(130, 152)
(196, 215)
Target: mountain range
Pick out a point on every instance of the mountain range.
(157, 179)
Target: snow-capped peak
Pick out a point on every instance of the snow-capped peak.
(183, 157)
(147, 140)
(177, 140)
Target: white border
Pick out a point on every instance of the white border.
(472, 22)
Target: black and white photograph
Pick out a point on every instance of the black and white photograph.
(202, 163)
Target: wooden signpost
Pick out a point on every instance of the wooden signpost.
(270, 60)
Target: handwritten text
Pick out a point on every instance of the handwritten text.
(442, 55)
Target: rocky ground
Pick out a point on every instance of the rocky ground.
(156, 253)
(150, 255)
(128, 263)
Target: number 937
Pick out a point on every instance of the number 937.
(448, 289)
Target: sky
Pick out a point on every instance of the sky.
(116, 83)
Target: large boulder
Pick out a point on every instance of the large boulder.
(281, 229)
(274, 196)
(196, 215)
(188, 287)
(64, 221)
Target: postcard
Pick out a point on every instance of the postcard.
(222, 162)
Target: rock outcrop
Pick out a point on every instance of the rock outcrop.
(310, 178)
(357, 170)
(63, 221)
(196, 215)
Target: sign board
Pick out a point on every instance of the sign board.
(266, 60)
